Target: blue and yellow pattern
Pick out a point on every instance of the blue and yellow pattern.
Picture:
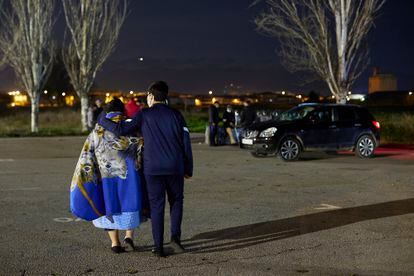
(106, 181)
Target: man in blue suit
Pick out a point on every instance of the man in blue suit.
(168, 160)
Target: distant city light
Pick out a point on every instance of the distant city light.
(53, 97)
(349, 93)
(299, 96)
(236, 101)
(410, 93)
(45, 92)
(63, 94)
(210, 92)
(197, 102)
(107, 94)
(141, 59)
(283, 92)
(131, 92)
(14, 93)
(333, 96)
(270, 100)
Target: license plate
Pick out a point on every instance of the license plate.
(247, 141)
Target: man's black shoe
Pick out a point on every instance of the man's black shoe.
(159, 252)
(176, 245)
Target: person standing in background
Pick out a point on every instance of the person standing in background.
(229, 123)
(214, 119)
(132, 107)
(93, 113)
(248, 115)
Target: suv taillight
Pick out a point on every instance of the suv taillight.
(376, 124)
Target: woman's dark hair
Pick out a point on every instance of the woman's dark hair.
(116, 105)
(160, 90)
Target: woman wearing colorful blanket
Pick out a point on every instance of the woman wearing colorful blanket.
(106, 186)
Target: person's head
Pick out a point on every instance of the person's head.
(98, 102)
(116, 105)
(246, 103)
(229, 108)
(217, 104)
(157, 93)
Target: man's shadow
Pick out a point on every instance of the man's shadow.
(248, 235)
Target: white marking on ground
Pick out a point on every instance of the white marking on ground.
(324, 206)
(65, 220)
(20, 189)
(6, 160)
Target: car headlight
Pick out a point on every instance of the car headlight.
(268, 132)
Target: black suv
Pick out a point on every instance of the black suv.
(326, 127)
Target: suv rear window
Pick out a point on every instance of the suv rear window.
(364, 114)
(346, 114)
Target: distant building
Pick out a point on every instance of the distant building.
(381, 82)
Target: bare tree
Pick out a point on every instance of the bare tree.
(27, 45)
(93, 30)
(326, 37)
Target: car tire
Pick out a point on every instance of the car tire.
(365, 146)
(290, 149)
(258, 155)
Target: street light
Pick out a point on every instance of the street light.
(141, 59)
(410, 93)
(210, 92)
(45, 91)
(131, 92)
(63, 94)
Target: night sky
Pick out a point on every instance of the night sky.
(203, 45)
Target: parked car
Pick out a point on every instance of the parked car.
(324, 127)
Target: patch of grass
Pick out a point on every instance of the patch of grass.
(396, 127)
(57, 122)
(196, 121)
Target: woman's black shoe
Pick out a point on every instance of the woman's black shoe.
(159, 252)
(117, 249)
(129, 244)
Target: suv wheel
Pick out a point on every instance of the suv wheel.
(365, 147)
(290, 149)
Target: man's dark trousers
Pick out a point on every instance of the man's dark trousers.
(157, 186)
(213, 134)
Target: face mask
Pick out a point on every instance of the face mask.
(150, 100)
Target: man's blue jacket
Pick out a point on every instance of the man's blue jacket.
(167, 144)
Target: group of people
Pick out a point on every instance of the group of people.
(232, 125)
(126, 168)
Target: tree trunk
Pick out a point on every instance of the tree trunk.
(341, 96)
(84, 111)
(35, 114)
